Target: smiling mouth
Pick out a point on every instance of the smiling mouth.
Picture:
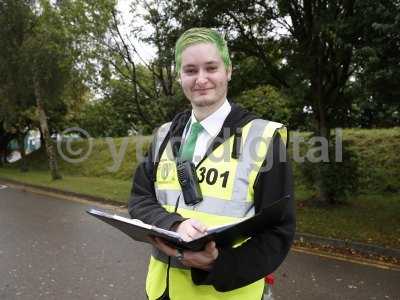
(202, 90)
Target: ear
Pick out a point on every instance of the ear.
(229, 73)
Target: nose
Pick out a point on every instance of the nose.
(201, 78)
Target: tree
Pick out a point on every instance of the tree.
(375, 87)
(5, 138)
(267, 102)
(16, 20)
(48, 53)
(147, 90)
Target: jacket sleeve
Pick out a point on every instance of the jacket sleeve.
(262, 254)
(143, 204)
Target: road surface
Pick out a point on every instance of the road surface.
(51, 249)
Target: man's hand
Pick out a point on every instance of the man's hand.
(203, 260)
(191, 229)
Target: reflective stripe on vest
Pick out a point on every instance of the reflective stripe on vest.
(227, 188)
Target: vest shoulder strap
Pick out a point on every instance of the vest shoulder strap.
(275, 128)
(159, 139)
(159, 144)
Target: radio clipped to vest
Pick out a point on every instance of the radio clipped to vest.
(189, 183)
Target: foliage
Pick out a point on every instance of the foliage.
(371, 112)
(16, 19)
(267, 102)
(377, 160)
(16, 101)
(53, 43)
(100, 119)
(41, 57)
(338, 179)
(377, 150)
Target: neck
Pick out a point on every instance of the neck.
(202, 112)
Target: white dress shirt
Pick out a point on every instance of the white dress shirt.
(212, 126)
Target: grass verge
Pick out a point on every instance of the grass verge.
(371, 219)
(113, 189)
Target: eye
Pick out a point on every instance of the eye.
(189, 71)
(212, 68)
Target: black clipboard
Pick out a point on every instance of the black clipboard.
(224, 236)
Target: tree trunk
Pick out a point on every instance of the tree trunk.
(321, 130)
(51, 155)
(5, 138)
(3, 154)
(3, 145)
(21, 144)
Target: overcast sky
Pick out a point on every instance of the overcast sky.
(145, 51)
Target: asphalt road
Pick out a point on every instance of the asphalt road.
(51, 249)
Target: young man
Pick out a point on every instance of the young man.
(241, 170)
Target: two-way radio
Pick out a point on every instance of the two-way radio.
(189, 183)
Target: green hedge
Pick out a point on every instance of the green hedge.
(99, 162)
(379, 158)
(378, 150)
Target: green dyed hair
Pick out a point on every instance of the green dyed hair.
(197, 36)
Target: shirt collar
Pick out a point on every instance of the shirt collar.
(213, 123)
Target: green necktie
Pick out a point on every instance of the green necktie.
(190, 143)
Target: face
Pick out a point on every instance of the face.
(203, 76)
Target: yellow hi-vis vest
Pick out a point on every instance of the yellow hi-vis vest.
(227, 188)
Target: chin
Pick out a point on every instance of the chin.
(204, 101)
